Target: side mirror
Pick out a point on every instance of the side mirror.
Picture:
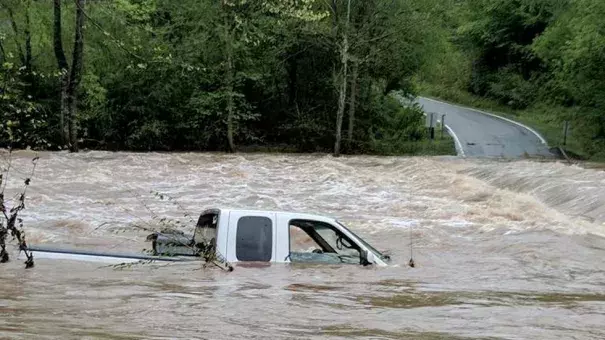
(366, 258)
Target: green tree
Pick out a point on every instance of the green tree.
(572, 48)
(499, 35)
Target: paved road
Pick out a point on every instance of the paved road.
(480, 134)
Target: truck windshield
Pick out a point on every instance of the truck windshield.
(366, 244)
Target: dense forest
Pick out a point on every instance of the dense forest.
(541, 61)
(210, 74)
(306, 75)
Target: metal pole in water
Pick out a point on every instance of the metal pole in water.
(411, 263)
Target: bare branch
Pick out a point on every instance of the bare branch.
(14, 224)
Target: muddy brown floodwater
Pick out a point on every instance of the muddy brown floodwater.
(504, 250)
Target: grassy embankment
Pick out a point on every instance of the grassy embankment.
(441, 146)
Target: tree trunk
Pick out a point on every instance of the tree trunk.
(292, 81)
(76, 75)
(63, 68)
(352, 105)
(230, 104)
(229, 78)
(64, 113)
(2, 53)
(343, 89)
(341, 109)
(28, 38)
(335, 13)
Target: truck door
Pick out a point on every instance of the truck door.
(252, 237)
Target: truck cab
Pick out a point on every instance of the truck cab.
(236, 235)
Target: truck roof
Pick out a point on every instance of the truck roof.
(290, 214)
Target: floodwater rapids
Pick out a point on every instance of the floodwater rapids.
(503, 250)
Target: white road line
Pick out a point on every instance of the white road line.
(493, 115)
(458, 144)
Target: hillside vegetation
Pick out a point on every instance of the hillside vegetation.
(540, 61)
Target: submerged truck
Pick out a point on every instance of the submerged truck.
(237, 235)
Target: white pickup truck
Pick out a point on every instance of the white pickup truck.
(249, 236)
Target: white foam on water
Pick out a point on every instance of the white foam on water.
(95, 187)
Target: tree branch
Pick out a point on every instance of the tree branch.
(12, 220)
(116, 41)
(28, 38)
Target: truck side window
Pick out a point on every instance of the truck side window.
(301, 242)
(314, 241)
(254, 239)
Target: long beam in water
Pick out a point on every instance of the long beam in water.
(98, 256)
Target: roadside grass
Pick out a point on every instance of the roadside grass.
(440, 146)
(546, 119)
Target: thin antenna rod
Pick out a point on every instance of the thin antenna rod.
(411, 263)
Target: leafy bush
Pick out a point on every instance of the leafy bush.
(21, 119)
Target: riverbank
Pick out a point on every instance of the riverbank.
(549, 121)
(442, 145)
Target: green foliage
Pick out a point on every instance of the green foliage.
(498, 34)
(170, 75)
(443, 62)
(394, 126)
(573, 48)
(20, 117)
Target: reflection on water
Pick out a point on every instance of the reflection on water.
(503, 250)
